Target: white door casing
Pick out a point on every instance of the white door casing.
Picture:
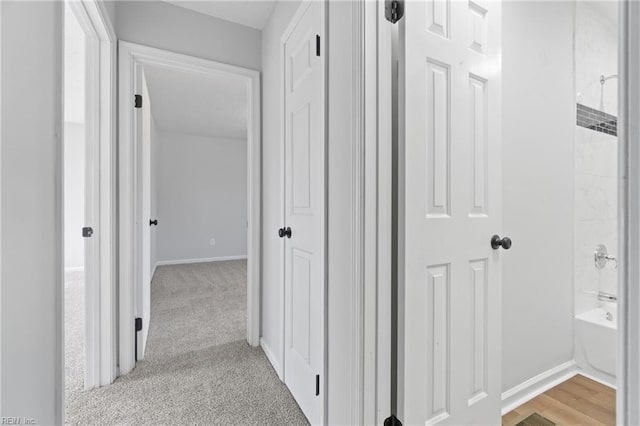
(305, 213)
(91, 204)
(99, 258)
(450, 296)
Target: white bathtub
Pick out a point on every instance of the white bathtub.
(596, 336)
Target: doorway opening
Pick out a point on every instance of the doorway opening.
(508, 238)
(75, 203)
(190, 187)
(193, 192)
(189, 228)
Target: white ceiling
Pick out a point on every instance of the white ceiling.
(252, 13)
(195, 104)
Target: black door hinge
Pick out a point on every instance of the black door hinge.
(392, 421)
(317, 45)
(138, 327)
(317, 384)
(138, 101)
(393, 10)
(87, 232)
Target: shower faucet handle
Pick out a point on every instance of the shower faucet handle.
(601, 256)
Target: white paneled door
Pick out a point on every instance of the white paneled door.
(450, 303)
(305, 213)
(143, 289)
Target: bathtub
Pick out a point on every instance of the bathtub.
(596, 342)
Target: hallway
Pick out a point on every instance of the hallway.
(198, 368)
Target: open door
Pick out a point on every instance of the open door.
(143, 286)
(450, 207)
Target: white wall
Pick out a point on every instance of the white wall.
(272, 186)
(165, 26)
(201, 194)
(74, 181)
(31, 79)
(538, 171)
(596, 154)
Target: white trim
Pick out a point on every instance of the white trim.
(353, 281)
(100, 303)
(135, 55)
(596, 378)
(529, 389)
(199, 260)
(73, 269)
(378, 214)
(358, 211)
(153, 272)
(271, 357)
(58, 334)
(628, 348)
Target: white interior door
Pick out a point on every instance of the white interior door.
(305, 214)
(450, 295)
(143, 292)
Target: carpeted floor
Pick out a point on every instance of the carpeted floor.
(73, 332)
(198, 368)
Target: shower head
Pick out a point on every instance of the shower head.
(604, 79)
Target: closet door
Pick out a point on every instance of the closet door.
(305, 213)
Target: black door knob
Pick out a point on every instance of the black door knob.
(284, 231)
(153, 222)
(497, 242)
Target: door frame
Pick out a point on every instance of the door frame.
(131, 56)
(628, 348)
(377, 332)
(628, 344)
(100, 117)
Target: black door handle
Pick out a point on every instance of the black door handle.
(284, 231)
(497, 242)
(153, 222)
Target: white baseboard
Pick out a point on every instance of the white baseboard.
(602, 379)
(199, 260)
(153, 272)
(537, 385)
(271, 357)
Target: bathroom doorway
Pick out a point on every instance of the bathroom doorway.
(512, 298)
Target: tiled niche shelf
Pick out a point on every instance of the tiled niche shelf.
(596, 120)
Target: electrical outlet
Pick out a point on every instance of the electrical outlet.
(212, 242)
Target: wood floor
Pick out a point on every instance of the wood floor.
(578, 401)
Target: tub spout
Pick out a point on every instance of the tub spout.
(607, 297)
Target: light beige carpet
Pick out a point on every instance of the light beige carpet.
(73, 333)
(198, 368)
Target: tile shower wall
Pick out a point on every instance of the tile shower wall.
(595, 149)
